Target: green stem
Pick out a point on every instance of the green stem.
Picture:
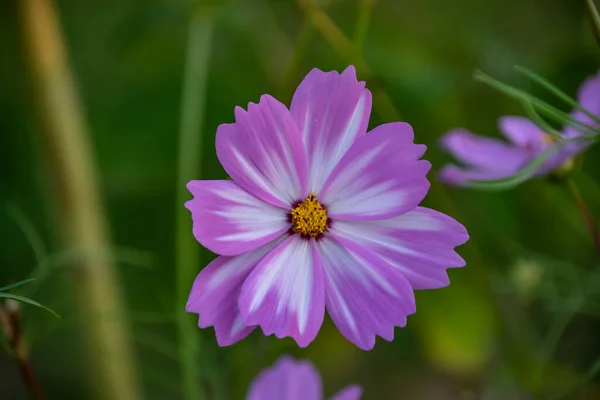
(594, 19)
(336, 38)
(301, 45)
(584, 210)
(190, 141)
(362, 26)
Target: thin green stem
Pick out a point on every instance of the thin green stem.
(362, 26)
(587, 131)
(584, 210)
(556, 91)
(190, 141)
(306, 34)
(345, 48)
(594, 19)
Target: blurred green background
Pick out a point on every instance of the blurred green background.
(520, 321)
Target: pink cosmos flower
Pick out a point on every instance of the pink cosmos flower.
(318, 214)
(486, 158)
(288, 379)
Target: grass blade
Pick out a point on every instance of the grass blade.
(29, 230)
(190, 140)
(26, 300)
(14, 285)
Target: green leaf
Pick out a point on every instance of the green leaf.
(26, 300)
(14, 285)
(594, 19)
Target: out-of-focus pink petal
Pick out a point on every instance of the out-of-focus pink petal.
(214, 295)
(229, 221)
(331, 111)
(263, 152)
(484, 152)
(287, 379)
(364, 295)
(285, 292)
(454, 175)
(419, 243)
(380, 177)
(588, 97)
(523, 132)
(353, 392)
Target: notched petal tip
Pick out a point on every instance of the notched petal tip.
(425, 166)
(350, 71)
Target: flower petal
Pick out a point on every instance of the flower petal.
(484, 152)
(381, 176)
(523, 133)
(588, 97)
(364, 295)
(214, 295)
(287, 379)
(353, 392)
(284, 294)
(454, 175)
(263, 152)
(229, 221)
(331, 111)
(420, 243)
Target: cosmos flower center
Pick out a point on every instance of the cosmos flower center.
(548, 139)
(309, 218)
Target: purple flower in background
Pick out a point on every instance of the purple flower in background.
(319, 214)
(487, 158)
(288, 379)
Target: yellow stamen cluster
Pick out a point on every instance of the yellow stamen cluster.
(309, 218)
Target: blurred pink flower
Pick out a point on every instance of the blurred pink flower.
(288, 379)
(487, 158)
(319, 214)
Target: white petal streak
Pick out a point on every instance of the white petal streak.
(285, 294)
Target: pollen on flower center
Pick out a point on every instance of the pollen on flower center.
(548, 139)
(309, 218)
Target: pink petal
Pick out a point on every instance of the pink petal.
(381, 176)
(353, 392)
(454, 175)
(331, 111)
(284, 294)
(484, 152)
(287, 380)
(214, 295)
(263, 152)
(523, 132)
(588, 97)
(364, 295)
(419, 243)
(229, 221)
